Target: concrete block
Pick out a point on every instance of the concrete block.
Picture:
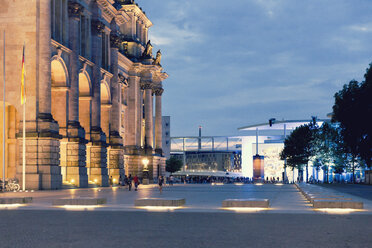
(324, 197)
(85, 201)
(15, 200)
(337, 204)
(160, 202)
(246, 203)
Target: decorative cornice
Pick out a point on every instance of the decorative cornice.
(108, 9)
(75, 9)
(137, 11)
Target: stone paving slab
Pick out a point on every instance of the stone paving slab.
(15, 200)
(160, 202)
(86, 201)
(245, 203)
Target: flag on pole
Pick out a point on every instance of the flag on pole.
(23, 86)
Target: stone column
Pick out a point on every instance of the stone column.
(149, 140)
(115, 151)
(73, 146)
(158, 121)
(96, 148)
(133, 116)
(75, 10)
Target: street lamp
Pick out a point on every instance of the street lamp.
(145, 171)
(145, 162)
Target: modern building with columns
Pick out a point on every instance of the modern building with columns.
(92, 87)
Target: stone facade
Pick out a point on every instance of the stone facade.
(92, 87)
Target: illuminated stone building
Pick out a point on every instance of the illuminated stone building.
(92, 85)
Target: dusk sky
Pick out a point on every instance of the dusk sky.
(240, 62)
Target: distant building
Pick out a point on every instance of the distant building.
(208, 156)
(270, 144)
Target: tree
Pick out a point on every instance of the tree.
(365, 146)
(352, 110)
(298, 147)
(327, 148)
(173, 164)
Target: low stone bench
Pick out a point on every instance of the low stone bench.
(312, 198)
(159, 202)
(83, 201)
(245, 203)
(325, 203)
(15, 200)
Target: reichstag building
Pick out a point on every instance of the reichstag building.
(93, 85)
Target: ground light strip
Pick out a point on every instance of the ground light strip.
(338, 210)
(79, 207)
(159, 208)
(245, 209)
(11, 206)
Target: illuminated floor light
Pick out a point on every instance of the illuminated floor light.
(239, 184)
(278, 184)
(79, 207)
(11, 206)
(258, 184)
(245, 210)
(159, 208)
(338, 210)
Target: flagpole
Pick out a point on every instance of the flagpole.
(4, 114)
(24, 131)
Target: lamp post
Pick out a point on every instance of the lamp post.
(145, 171)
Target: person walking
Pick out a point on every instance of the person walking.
(121, 183)
(171, 178)
(136, 182)
(160, 182)
(130, 182)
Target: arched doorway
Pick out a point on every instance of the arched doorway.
(60, 87)
(59, 78)
(11, 145)
(85, 102)
(105, 107)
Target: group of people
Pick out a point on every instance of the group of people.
(129, 181)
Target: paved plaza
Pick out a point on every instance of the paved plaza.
(290, 220)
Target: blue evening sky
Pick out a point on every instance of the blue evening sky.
(240, 62)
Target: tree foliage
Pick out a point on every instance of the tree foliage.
(353, 110)
(173, 165)
(298, 148)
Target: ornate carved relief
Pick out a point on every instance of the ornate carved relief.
(158, 91)
(97, 26)
(115, 40)
(123, 80)
(146, 85)
(75, 9)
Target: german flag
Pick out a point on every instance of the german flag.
(23, 86)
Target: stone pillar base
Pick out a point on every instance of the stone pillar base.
(42, 160)
(116, 163)
(73, 157)
(97, 159)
